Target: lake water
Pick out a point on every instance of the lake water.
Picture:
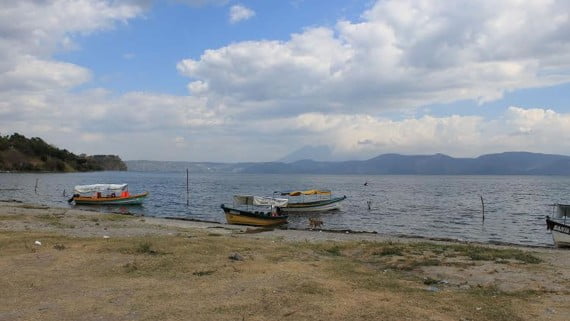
(428, 206)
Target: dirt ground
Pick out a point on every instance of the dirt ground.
(64, 264)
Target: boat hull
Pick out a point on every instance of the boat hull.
(560, 232)
(129, 200)
(241, 217)
(561, 239)
(316, 206)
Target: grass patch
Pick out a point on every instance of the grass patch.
(334, 251)
(473, 252)
(394, 250)
(54, 220)
(145, 248)
(310, 287)
(204, 273)
(113, 218)
(131, 267)
(12, 217)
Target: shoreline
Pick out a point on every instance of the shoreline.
(300, 232)
(67, 264)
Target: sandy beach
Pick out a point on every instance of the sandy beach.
(66, 264)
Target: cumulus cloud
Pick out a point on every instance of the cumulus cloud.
(529, 129)
(33, 30)
(323, 86)
(401, 54)
(239, 13)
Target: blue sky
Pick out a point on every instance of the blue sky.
(183, 80)
(142, 54)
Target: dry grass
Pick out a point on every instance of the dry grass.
(181, 278)
(167, 273)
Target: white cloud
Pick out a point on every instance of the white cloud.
(257, 100)
(33, 30)
(239, 13)
(402, 54)
(534, 129)
(200, 3)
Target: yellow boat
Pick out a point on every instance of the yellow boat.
(255, 218)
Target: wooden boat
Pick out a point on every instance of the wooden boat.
(560, 231)
(256, 218)
(306, 202)
(106, 194)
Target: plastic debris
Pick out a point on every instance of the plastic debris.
(106, 236)
(38, 243)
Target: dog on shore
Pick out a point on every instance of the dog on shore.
(314, 223)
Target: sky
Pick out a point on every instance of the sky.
(254, 80)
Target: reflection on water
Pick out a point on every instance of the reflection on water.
(433, 206)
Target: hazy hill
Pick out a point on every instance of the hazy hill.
(317, 153)
(509, 163)
(21, 154)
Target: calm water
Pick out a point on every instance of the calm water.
(431, 206)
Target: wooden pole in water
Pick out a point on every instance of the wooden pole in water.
(187, 189)
(483, 207)
(36, 187)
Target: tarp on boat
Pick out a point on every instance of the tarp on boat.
(269, 201)
(99, 188)
(307, 192)
(259, 200)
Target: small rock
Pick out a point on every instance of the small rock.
(432, 289)
(59, 247)
(465, 287)
(478, 308)
(106, 236)
(236, 257)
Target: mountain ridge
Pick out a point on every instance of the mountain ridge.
(505, 163)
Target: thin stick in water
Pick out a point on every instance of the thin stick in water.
(187, 189)
(483, 208)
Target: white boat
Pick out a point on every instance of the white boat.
(560, 231)
(562, 210)
(311, 201)
(105, 194)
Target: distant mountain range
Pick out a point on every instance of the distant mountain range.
(508, 163)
